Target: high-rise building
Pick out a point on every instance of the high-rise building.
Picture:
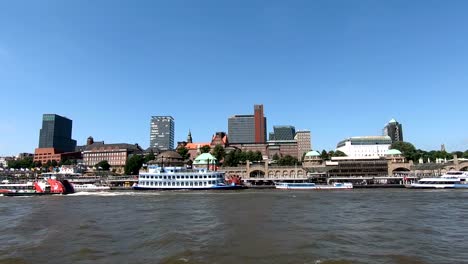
(304, 144)
(56, 132)
(162, 132)
(248, 128)
(241, 129)
(260, 124)
(394, 130)
(283, 133)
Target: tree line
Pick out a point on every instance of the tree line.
(410, 152)
(29, 163)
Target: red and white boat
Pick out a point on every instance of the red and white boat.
(40, 187)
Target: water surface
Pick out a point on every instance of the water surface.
(249, 226)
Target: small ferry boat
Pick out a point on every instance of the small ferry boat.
(40, 187)
(313, 186)
(89, 187)
(450, 180)
(7, 187)
(180, 178)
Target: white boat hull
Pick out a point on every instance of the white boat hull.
(311, 186)
(90, 188)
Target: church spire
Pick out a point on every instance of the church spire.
(189, 137)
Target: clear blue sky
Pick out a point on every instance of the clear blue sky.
(339, 68)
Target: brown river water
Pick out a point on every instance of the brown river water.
(247, 226)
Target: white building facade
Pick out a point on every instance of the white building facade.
(367, 146)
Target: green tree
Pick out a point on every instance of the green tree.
(133, 165)
(149, 157)
(183, 152)
(249, 155)
(24, 163)
(232, 158)
(407, 149)
(54, 163)
(458, 153)
(103, 165)
(324, 155)
(13, 164)
(47, 164)
(219, 152)
(38, 164)
(275, 157)
(465, 154)
(287, 160)
(258, 156)
(65, 161)
(339, 153)
(205, 149)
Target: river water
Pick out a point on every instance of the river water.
(248, 226)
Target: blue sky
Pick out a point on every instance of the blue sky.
(339, 68)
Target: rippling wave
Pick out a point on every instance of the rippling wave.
(259, 226)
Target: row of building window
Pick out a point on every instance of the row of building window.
(106, 154)
(178, 184)
(104, 158)
(181, 177)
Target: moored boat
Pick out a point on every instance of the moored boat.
(180, 178)
(450, 180)
(313, 186)
(89, 187)
(40, 187)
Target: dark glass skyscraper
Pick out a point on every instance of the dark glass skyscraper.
(56, 132)
(248, 128)
(283, 133)
(241, 129)
(394, 130)
(162, 132)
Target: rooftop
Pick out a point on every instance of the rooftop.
(312, 153)
(393, 152)
(204, 159)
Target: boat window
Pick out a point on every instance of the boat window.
(178, 177)
(191, 183)
(181, 184)
(204, 183)
(191, 176)
(173, 184)
(152, 177)
(164, 177)
(164, 183)
(196, 183)
(196, 177)
(152, 183)
(204, 177)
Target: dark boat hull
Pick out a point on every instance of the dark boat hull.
(28, 194)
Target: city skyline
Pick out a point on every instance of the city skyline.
(339, 69)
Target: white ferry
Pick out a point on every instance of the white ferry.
(89, 187)
(180, 178)
(450, 180)
(313, 186)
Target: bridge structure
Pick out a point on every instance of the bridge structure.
(427, 169)
(262, 173)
